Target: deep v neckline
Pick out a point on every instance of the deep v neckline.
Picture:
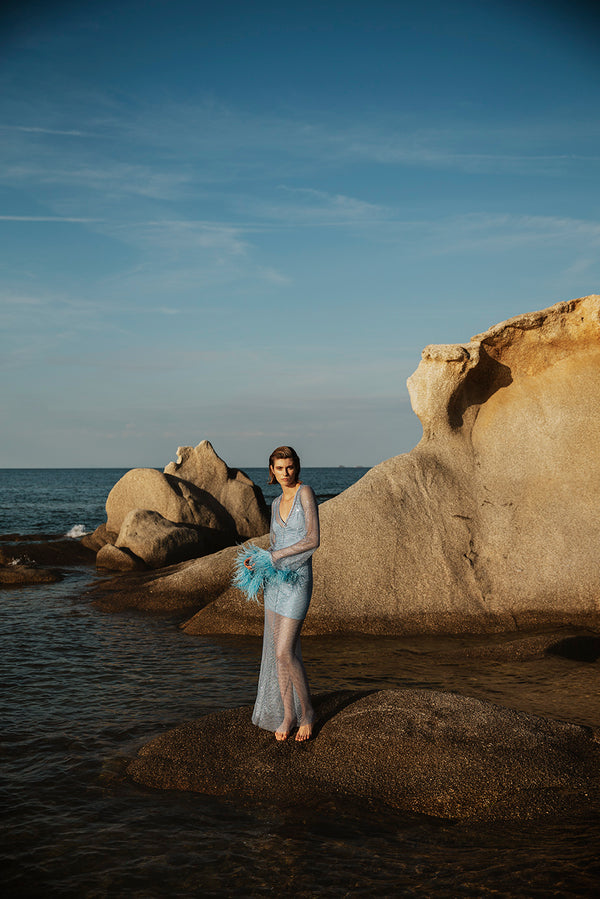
(284, 522)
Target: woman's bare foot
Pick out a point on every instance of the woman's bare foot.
(304, 733)
(284, 730)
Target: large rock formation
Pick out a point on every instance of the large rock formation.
(197, 506)
(232, 488)
(440, 754)
(490, 523)
(171, 497)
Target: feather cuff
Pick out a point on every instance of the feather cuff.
(251, 581)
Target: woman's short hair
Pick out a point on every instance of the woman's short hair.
(283, 452)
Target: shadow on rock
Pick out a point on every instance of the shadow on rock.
(581, 648)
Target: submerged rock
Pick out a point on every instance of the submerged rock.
(23, 558)
(439, 754)
(20, 575)
(46, 550)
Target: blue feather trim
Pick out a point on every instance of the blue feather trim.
(252, 581)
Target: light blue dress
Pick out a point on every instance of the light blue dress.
(292, 544)
(283, 696)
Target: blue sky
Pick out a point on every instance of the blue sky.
(244, 221)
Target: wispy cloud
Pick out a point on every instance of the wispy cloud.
(30, 129)
(195, 192)
(310, 207)
(109, 180)
(15, 300)
(581, 265)
(181, 236)
(502, 232)
(45, 218)
(188, 258)
(437, 151)
(188, 148)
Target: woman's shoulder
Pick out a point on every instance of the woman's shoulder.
(306, 490)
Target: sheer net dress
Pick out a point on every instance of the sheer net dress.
(283, 697)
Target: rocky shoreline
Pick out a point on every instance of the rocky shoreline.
(490, 524)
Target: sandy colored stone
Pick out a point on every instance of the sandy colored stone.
(160, 542)
(422, 751)
(232, 488)
(175, 499)
(113, 558)
(99, 538)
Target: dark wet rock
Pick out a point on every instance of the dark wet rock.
(177, 589)
(132, 589)
(61, 551)
(21, 560)
(440, 754)
(513, 647)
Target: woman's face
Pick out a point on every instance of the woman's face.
(285, 472)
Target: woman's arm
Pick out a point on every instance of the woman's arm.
(295, 555)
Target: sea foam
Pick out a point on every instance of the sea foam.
(78, 530)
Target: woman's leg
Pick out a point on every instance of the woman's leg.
(291, 675)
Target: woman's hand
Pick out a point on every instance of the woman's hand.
(249, 564)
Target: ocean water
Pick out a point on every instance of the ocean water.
(57, 500)
(82, 690)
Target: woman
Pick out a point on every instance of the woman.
(283, 698)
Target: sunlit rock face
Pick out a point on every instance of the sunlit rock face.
(173, 498)
(493, 518)
(232, 488)
(489, 524)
